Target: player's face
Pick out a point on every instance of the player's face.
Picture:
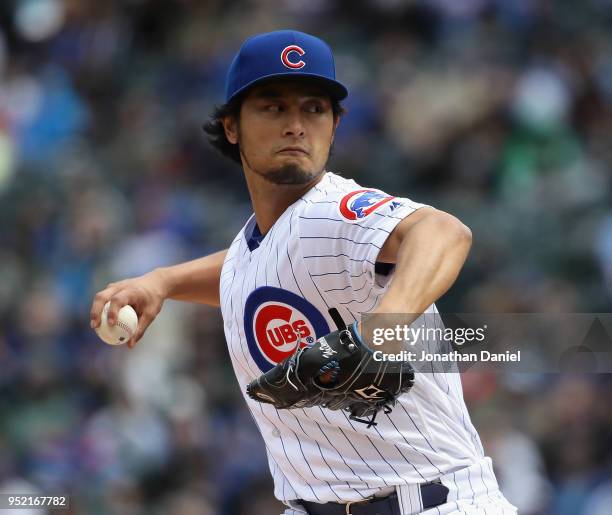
(285, 131)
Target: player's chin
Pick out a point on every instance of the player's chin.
(291, 172)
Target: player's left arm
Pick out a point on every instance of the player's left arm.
(429, 248)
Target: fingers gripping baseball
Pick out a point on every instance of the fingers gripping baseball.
(145, 294)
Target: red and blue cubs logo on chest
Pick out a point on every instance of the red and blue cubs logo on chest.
(276, 322)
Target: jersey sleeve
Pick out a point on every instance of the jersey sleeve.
(341, 235)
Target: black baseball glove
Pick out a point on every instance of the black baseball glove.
(337, 372)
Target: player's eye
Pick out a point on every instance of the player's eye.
(315, 108)
(273, 108)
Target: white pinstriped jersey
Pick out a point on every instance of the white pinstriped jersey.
(321, 253)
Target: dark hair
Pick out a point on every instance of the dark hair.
(216, 132)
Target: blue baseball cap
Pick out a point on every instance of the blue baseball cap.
(279, 54)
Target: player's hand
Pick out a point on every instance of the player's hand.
(146, 294)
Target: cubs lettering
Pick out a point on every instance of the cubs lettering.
(276, 322)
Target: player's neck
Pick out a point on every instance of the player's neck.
(271, 200)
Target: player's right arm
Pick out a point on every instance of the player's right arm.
(193, 281)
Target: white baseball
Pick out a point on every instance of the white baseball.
(124, 328)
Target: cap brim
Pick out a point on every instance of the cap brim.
(336, 89)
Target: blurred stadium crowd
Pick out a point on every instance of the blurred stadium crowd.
(498, 112)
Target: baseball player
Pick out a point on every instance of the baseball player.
(320, 251)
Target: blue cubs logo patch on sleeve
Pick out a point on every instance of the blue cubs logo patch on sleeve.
(360, 204)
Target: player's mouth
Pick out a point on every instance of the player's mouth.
(293, 150)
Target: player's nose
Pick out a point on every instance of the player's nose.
(294, 124)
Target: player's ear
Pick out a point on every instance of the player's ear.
(335, 126)
(230, 125)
